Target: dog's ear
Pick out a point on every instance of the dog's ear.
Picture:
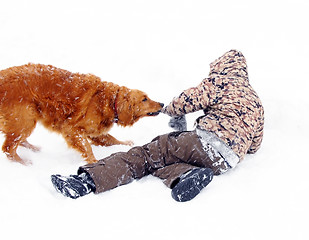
(125, 107)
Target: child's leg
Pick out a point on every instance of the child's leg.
(116, 170)
(182, 149)
(122, 168)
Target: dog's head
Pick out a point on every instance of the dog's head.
(134, 104)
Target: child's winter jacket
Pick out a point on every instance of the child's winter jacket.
(233, 111)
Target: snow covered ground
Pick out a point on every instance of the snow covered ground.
(163, 47)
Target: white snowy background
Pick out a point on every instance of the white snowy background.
(163, 47)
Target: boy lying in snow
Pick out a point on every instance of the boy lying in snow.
(187, 160)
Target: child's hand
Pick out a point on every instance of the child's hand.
(178, 123)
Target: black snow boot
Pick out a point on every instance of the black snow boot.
(73, 186)
(191, 183)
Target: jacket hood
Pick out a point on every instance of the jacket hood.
(232, 63)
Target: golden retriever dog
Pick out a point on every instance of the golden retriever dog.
(80, 107)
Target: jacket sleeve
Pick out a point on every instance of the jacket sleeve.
(191, 100)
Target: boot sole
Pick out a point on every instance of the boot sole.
(192, 185)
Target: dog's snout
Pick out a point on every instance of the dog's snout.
(162, 104)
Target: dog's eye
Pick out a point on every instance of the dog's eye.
(145, 99)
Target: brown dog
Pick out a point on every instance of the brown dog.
(79, 106)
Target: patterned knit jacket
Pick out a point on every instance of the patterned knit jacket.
(234, 114)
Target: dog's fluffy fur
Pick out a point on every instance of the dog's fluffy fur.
(79, 106)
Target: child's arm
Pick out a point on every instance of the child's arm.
(191, 100)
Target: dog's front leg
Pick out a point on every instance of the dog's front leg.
(79, 142)
(108, 140)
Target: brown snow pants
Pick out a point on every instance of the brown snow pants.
(168, 157)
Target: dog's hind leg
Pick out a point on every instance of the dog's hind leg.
(108, 140)
(26, 144)
(18, 127)
(10, 145)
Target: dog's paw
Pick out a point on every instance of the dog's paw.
(25, 162)
(128, 143)
(35, 148)
(91, 160)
